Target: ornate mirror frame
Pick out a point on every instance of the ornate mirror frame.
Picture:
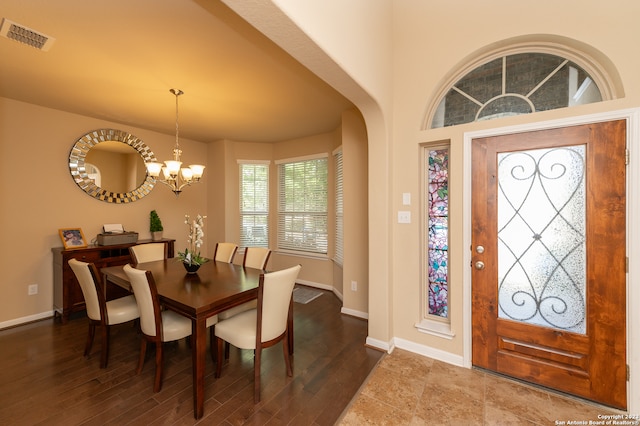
(78, 169)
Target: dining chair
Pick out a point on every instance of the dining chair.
(141, 253)
(254, 257)
(158, 326)
(225, 252)
(264, 326)
(101, 313)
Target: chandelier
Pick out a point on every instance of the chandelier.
(176, 177)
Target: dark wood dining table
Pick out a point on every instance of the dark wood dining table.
(216, 286)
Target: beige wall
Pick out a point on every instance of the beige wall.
(349, 45)
(39, 202)
(389, 58)
(419, 69)
(356, 220)
(39, 197)
(315, 271)
(361, 45)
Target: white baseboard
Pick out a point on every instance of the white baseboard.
(346, 311)
(314, 284)
(354, 313)
(25, 320)
(379, 344)
(430, 352)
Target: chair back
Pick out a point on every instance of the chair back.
(148, 252)
(256, 257)
(91, 285)
(144, 288)
(225, 252)
(274, 296)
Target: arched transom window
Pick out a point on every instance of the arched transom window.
(515, 84)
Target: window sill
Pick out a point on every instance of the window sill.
(306, 254)
(435, 328)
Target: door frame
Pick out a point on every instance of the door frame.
(632, 116)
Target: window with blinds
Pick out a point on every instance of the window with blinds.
(302, 205)
(254, 205)
(339, 231)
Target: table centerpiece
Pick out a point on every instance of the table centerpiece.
(191, 258)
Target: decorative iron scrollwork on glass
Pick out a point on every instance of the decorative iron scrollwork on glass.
(541, 237)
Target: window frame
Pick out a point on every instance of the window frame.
(429, 323)
(311, 215)
(603, 75)
(243, 239)
(338, 256)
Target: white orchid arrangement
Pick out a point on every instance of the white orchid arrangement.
(191, 254)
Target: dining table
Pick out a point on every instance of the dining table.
(215, 287)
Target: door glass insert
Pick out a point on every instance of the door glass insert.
(541, 237)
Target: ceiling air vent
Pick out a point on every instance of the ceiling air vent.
(24, 35)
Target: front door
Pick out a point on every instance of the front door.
(549, 258)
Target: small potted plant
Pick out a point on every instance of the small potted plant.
(155, 226)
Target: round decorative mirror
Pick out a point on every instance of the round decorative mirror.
(109, 165)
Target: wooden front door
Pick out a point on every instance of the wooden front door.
(549, 258)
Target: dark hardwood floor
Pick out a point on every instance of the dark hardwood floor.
(44, 379)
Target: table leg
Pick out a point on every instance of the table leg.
(198, 354)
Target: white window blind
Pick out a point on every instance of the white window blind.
(302, 205)
(254, 205)
(339, 231)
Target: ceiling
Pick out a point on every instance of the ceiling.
(116, 60)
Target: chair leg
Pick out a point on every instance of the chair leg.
(212, 342)
(256, 375)
(226, 351)
(104, 356)
(219, 346)
(287, 356)
(143, 351)
(159, 363)
(89, 343)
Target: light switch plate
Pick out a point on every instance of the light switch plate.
(406, 198)
(404, 217)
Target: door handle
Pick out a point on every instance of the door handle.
(479, 265)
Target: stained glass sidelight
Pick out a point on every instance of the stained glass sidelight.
(541, 237)
(438, 238)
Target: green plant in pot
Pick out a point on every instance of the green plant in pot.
(155, 226)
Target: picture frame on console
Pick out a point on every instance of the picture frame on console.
(72, 238)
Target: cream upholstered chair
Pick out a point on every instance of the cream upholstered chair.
(157, 326)
(261, 327)
(101, 313)
(148, 252)
(225, 252)
(254, 257)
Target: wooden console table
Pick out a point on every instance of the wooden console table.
(67, 295)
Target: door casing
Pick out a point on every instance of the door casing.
(632, 116)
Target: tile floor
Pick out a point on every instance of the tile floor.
(409, 389)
